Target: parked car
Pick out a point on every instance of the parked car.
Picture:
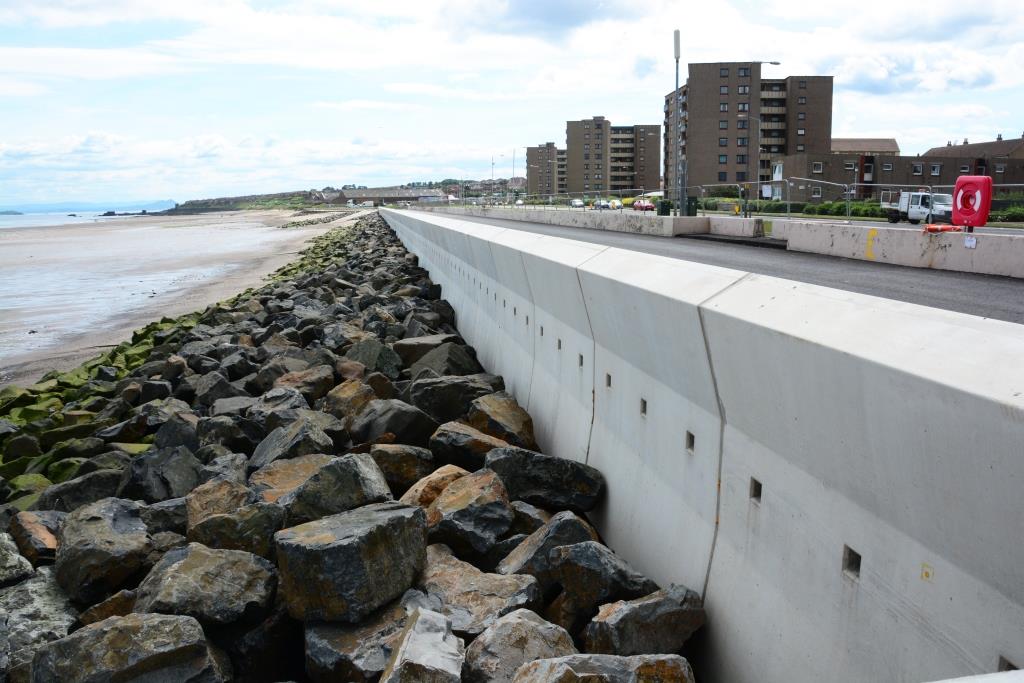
(576, 203)
(601, 204)
(519, 202)
(615, 204)
(643, 205)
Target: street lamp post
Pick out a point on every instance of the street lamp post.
(680, 164)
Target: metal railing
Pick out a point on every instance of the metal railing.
(743, 198)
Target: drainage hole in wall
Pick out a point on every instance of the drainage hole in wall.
(691, 441)
(643, 407)
(542, 330)
(851, 562)
(608, 381)
(755, 490)
(559, 344)
(581, 360)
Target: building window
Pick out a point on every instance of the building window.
(801, 116)
(722, 176)
(586, 125)
(799, 148)
(886, 167)
(586, 167)
(801, 131)
(586, 176)
(723, 106)
(801, 100)
(723, 142)
(723, 125)
(723, 158)
(965, 169)
(743, 106)
(723, 90)
(1000, 168)
(741, 176)
(850, 165)
(917, 169)
(816, 192)
(741, 158)
(743, 90)
(723, 72)
(743, 125)
(586, 156)
(936, 169)
(587, 147)
(743, 72)
(818, 167)
(802, 85)
(741, 142)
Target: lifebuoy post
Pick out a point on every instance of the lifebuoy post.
(972, 201)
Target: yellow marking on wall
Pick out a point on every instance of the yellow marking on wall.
(926, 572)
(869, 249)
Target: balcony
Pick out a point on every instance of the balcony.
(773, 94)
(773, 125)
(773, 110)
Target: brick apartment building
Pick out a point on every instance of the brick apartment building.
(734, 123)
(598, 158)
(875, 165)
(545, 169)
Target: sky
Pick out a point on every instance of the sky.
(150, 99)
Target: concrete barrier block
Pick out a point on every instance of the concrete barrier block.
(562, 389)
(657, 426)
(736, 227)
(860, 420)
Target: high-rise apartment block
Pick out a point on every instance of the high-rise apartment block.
(545, 169)
(598, 158)
(733, 124)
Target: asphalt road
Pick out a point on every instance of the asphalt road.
(988, 296)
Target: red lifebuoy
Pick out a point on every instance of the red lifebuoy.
(972, 200)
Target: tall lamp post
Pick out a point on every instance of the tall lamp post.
(680, 164)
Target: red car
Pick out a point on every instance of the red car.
(643, 205)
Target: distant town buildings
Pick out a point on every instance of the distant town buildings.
(598, 158)
(733, 124)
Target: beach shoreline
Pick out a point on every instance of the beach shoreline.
(247, 264)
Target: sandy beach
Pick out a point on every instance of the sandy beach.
(69, 292)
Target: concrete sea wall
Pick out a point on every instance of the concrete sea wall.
(839, 474)
(618, 221)
(991, 254)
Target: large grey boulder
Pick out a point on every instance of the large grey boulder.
(343, 567)
(102, 546)
(471, 514)
(402, 465)
(250, 528)
(217, 587)
(376, 357)
(532, 555)
(411, 349)
(13, 567)
(515, 639)
(473, 599)
(136, 647)
(446, 359)
(427, 650)
(74, 493)
(457, 443)
(448, 397)
(659, 622)
(32, 613)
(550, 482)
(593, 668)
(301, 437)
(405, 423)
(276, 400)
(343, 483)
(590, 575)
(353, 652)
(160, 474)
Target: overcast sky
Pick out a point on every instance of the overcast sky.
(180, 99)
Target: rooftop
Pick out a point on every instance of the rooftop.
(865, 145)
(995, 148)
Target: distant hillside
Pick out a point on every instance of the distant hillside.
(280, 200)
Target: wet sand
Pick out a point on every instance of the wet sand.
(67, 293)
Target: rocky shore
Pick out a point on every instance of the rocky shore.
(315, 480)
